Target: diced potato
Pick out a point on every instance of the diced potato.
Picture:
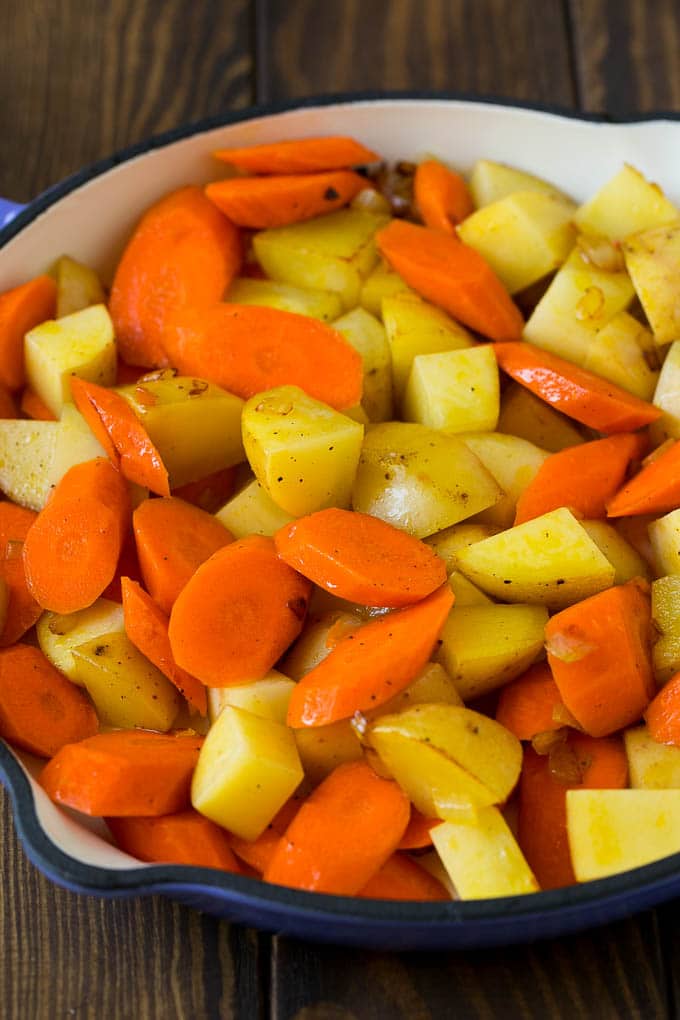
(78, 286)
(623, 352)
(252, 512)
(666, 616)
(448, 542)
(667, 395)
(513, 462)
(316, 641)
(367, 336)
(432, 862)
(664, 535)
(483, 858)
(58, 635)
(627, 561)
(267, 697)
(432, 685)
(551, 560)
(467, 594)
(247, 769)
(195, 425)
(526, 416)
(80, 344)
(455, 391)
(381, 282)
(323, 748)
(491, 182)
(484, 647)
(332, 253)
(420, 480)
(303, 453)
(319, 304)
(651, 766)
(625, 205)
(127, 689)
(653, 261)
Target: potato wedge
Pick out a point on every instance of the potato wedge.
(367, 335)
(318, 304)
(455, 391)
(381, 282)
(513, 462)
(666, 616)
(483, 858)
(267, 697)
(651, 766)
(252, 512)
(78, 286)
(448, 542)
(626, 560)
(623, 352)
(526, 416)
(653, 261)
(626, 204)
(58, 635)
(491, 182)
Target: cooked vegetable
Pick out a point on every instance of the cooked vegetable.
(654, 489)
(489, 182)
(526, 706)
(625, 205)
(457, 391)
(319, 304)
(22, 609)
(651, 765)
(182, 838)
(21, 309)
(401, 878)
(261, 202)
(306, 155)
(78, 287)
(59, 634)
(252, 512)
(441, 196)
(267, 697)
(663, 714)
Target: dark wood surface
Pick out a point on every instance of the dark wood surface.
(80, 78)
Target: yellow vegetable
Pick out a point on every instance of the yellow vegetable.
(526, 416)
(78, 286)
(455, 391)
(664, 534)
(448, 542)
(627, 561)
(666, 616)
(367, 336)
(323, 748)
(483, 858)
(667, 396)
(467, 594)
(318, 304)
(58, 635)
(252, 512)
(381, 282)
(491, 182)
(651, 766)
(513, 462)
(623, 352)
(625, 205)
(267, 697)
(653, 261)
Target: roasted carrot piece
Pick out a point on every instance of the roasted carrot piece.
(248, 348)
(238, 613)
(343, 833)
(40, 710)
(260, 202)
(126, 374)
(452, 275)
(8, 408)
(599, 652)
(71, 550)
(173, 539)
(209, 493)
(306, 155)
(257, 853)
(35, 407)
(125, 773)
(526, 705)
(127, 566)
(147, 627)
(184, 838)
(182, 251)
(361, 558)
(21, 309)
(441, 195)
(417, 834)
(371, 664)
(401, 878)
(22, 609)
(574, 391)
(582, 478)
(663, 714)
(653, 490)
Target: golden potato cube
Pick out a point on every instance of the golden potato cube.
(252, 512)
(247, 769)
(651, 765)
(448, 542)
(667, 395)
(367, 336)
(323, 748)
(381, 282)
(316, 641)
(318, 304)
(526, 416)
(513, 462)
(625, 205)
(467, 594)
(267, 697)
(626, 561)
(491, 182)
(623, 351)
(482, 858)
(432, 685)
(78, 286)
(59, 634)
(666, 616)
(653, 261)
(664, 534)
(455, 391)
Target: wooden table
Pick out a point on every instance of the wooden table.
(80, 78)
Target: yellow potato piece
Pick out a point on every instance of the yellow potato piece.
(526, 416)
(664, 534)
(448, 542)
(651, 766)
(667, 396)
(666, 616)
(267, 697)
(59, 634)
(367, 335)
(252, 512)
(78, 286)
(316, 641)
(318, 304)
(381, 282)
(653, 261)
(625, 205)
(513, 462)
(623, 352)
(467, 594)
(323, 748)
(626, 560)
(491, 182)
(455, 391)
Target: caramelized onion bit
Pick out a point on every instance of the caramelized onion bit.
(568, 647)
(601, 253)
(565, 765)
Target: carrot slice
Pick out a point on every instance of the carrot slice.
(257, 853)
(173, 539)
(526, 705)
(71, 550)
(343, 833)
(127, 566)
(654, 490)
(307, 155)
(417, 834)
(126, 374)
(238, 613)
(663, 714)
(441, 195)
(209, 493)
(8, 408)
(182, 251)
(35, 407)
(249, 348)
(574, 391)
(124, 773)
(261, 202)
(20, 310)
(22, 609)
(450, 274)
(371, 664)
(361, 558)
(183, 838)
(599, 652)
(40, 710)
(400, 878)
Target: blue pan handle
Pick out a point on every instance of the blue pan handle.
(8, 210)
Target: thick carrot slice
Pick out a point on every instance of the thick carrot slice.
(441, 195)
(173, 539)
(22, 609)
(126, 773)
(209, 493)
(257, 853)
(582, 478)
(248, 348)
(184, 251)
(599, 652)
(450, 274)
(126, 374)
(128, 566)
(663, 714)
(372, 664)
(8, 408)
(238, 613)
(417, 834)
(260, 202)
(20, 310)
(35, 407)
(343, 833)
(134, 453)
(400, 878)
(574, 391)
(526, 705)
(71, 550)
(307, 155)
(40, 710)
(654, 490)
(184, 838)
(361, 558)
(147, 627)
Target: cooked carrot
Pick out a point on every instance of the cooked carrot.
(401, 878)
(147, 627)
(257, 853)
(127, 566)
(173, 539)
(126, 773)
(249, 348)
(526, 705)
(35, 407)
(183, 251)
(361, 558)
(371, 664)
(126, 374)
(209, 493)
(71, 551)
(21, 309)
(343, 833)
(663, 714)
(307, 155)
(138, 458)
(22, 609)
(417, 834)
(582, 478)
(183, 838)
(452, 275)
(599, 652)
(653, 490)
(441, 195)
(580, 394)
(238, 614)
(40, 710)
(260, 202)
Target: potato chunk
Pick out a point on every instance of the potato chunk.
(58, 635)
(448, 542)
(252, 512)
(456, 391)
(381, 282)
(491, 182)
(653, 261)
(78, 286)
(526, 416)
(482, 858)
(367, 336)
(666, 616)
(318, 304)
(267, 697)
(625, 205)
(627, 561)
(667, 395)
(623, 352)
(651, 766)
(664, 534)
(513, 462)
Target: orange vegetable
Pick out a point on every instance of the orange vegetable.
(209, 493)
(71, 550)
(8, 408)
(343, 833)
(34, 407)
(580, 394)
(127, 566)
(257, 853)
(261, 202)
(173, 539)
(599, 652)
(663, 714)
(21, 309)
(371, 664)
(183, 838)
(307, 155)
(249, 348)
(525, 706)
(400, 878)
(22, 609)
(654, 490)
(361, 558)
(126, 374)
(441, 195)
(183, 251)
(417, 834)
(40, 710)
(450, 274)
